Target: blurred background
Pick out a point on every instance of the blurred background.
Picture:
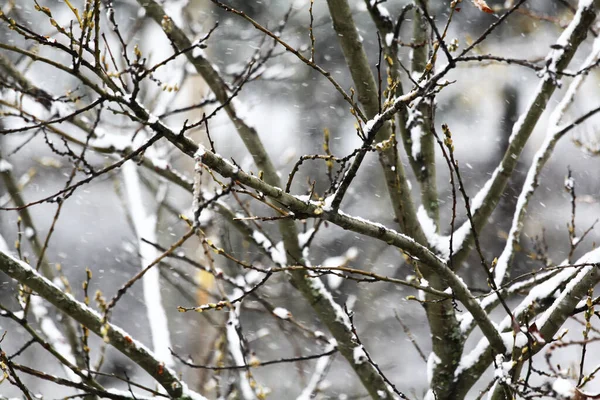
(291, 105)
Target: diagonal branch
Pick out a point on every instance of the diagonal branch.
(487, 198)
(118, 338)
(312, 289)
(366, 87)
(554, 134)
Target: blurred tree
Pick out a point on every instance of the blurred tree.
(197, 156)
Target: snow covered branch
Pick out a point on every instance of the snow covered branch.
(557, 60)
(201, 140)
(118, 338)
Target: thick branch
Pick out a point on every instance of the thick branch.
(312, 289)
(118, 338)
(367, 90)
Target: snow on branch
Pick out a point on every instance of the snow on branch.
(145, 228)
(117, 337)
(236, 350)
(319, 373)
(585, 277)
(557, 60)
(579, 278)
(364, 227)
(553, 135)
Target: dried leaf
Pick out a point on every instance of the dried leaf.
(482, 5)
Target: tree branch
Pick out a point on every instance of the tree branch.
(118, 338)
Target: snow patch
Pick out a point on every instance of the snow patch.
(564, 388)
(5, 166)
(432, 361)
(282, 313)
(29, 232)
(359, 355)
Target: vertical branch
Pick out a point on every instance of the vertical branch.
(366, 87)
(311, 32)
(390, 34)
(145, 228)
(236, 350)
(418, 140)
(312, 289)
(415, 128)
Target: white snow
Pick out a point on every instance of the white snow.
(466, 319)
(3, 246)
(198, 52)
(61, 109)
(416, 133)
(305, 198)
(415, 124)
(469, 359)
(200, 152)
(29, 232)
(327, 202)
(317, 376)
(369, 125)
(436, 241)
(441, 243)
(389, 38)
(590, 257)
(502, 371)
(424, 283)
(569, 183)
(252, 277)
(5, 166)
(190, 393)
(111, 141)
(334, 280)
(479, 198)
(359, 355)
(278, 254)
(564, 388)
(465, 230)
(432, 361)
(159, 163)
(152, 119)
(321, 291)
(304, 236)
(382, 10)
(282, 313)
(510, 340)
